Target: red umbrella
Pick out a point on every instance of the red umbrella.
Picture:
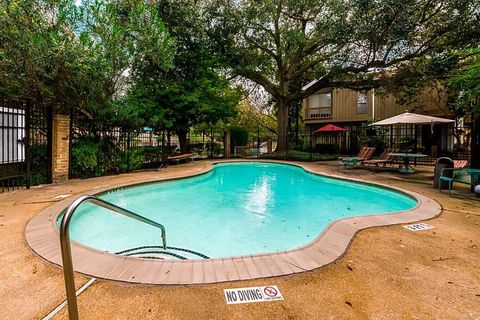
(330, 128)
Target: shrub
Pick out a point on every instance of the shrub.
(85, 158)
(131, 159)
(38, 169)
(217, 148)
(238, 137)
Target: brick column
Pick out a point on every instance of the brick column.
(60, 147)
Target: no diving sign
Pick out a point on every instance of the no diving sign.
(252, 294)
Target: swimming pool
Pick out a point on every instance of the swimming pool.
(235, 209)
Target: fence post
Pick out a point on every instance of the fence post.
(28, 155)
(415, 150)
(49, 144)
(212, 141)
(310, 138)
(128, 151)
(226, 143)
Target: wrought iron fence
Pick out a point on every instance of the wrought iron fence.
(24, 144)
(98, 149)
(435, 141)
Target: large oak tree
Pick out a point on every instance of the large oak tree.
(337, 43)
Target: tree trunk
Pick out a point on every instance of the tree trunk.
(182, 139)
(282, 122)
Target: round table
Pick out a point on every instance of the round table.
(405, 167)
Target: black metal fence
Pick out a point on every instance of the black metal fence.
(434, 141)
(25, 145)
(98, 149)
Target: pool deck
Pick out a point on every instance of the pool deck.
(42, 236)
(386, 272)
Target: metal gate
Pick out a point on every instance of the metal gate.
(25, 144)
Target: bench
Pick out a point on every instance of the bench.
(465, 176)
(181, 157)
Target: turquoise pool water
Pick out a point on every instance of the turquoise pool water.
(235, 209)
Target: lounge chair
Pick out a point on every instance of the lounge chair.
(364, 154)
(384, 159)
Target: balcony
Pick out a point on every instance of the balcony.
(318, 113)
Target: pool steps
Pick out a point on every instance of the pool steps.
(158, 252)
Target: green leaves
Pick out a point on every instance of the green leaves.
(80, 58)
(464, 82)
(193, 90)
(337, 43)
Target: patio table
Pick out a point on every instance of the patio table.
(405, 166)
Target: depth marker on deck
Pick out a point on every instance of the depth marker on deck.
(418, 227)
(252, 294)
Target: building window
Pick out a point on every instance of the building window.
(320, 105)
(362, 102)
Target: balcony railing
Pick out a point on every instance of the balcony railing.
(318, 113)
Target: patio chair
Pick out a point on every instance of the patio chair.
(384, 159)
(460, 175)
(364, 154)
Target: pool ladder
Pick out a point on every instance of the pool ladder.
(67, 251)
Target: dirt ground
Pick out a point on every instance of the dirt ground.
(387, 272)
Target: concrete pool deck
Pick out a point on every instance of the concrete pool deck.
(42, 236)
(387, 272)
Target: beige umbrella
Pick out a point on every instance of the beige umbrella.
(411, 118)
(414, 119)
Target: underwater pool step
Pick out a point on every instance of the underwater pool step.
(158, 252)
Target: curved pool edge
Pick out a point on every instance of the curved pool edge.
(42, 237)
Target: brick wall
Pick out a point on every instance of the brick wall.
(60, 147)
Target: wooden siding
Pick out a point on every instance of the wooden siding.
(344, 106)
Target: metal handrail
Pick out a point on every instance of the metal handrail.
(67, 252)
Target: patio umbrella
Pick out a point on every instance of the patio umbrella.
(331, 128)
(411, 118)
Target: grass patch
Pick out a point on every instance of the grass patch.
(295, 155)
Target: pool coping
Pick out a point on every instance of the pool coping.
(42, 237)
